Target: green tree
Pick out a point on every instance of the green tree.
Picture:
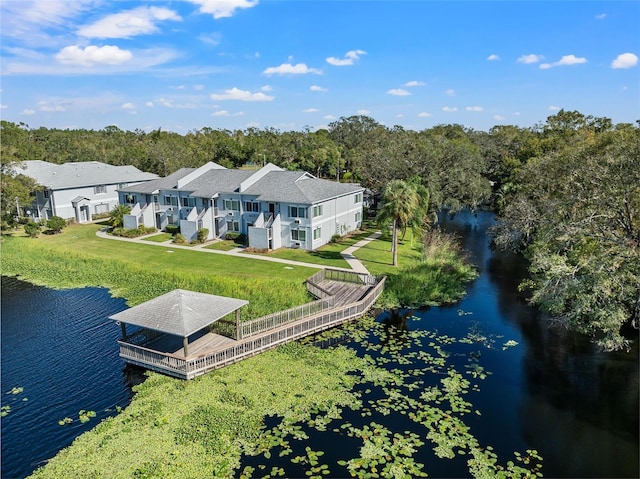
(116, 219)
(56, 224)
(400, 204)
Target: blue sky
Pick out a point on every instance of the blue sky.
(234, 64)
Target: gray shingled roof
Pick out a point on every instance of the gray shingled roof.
(80, 174)
(213, 182)
(165, 183)
(298, 187)
(180, 312)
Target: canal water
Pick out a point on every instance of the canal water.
(552, 391)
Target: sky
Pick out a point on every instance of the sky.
(293, 64)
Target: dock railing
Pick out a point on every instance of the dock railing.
(256, 339)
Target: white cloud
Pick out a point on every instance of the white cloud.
(129, 23)
(266, 88)
(223, 8)
(329, 117)
(317, 88)
(554, 108)
(177, 87)
(2, 106)
(226, 113)
(289, 69)
(601, 16)
(149, 104)
(51, 106)
(450, 92)
(212, 39)
(424, 114)
(128, 106)
(565, 60)
(108, 54)
(450, 109)
(398, 92)
(474, 108)
(400, 115)
(363, 112)
(310, 110)
(493, 57)
(242, 95)
(516, 113)
(530, 58)
(625, 60)
(169, 103)
(414, 83)
(198, 87)
(28, 111)
(499, 118)
(349, 58)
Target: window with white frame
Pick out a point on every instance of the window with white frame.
(358, 198)
(171, 200)
(358, 217)
(188, 201)
(46, 193)
(99, 189)
(252, 206)
(233, 205)
(317, 233)
(317, 210)
(233, 226)
(299, 235)
(297, 212)
(130, 199)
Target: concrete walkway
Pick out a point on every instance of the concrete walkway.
(347, 254)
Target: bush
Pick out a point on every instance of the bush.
(238, 238)
(56, 224)
(116, 217)
(172, 229)
(335, 238)
(203, 233)
(179, 239)
(32, 229)
(100, 216)
(134, 232)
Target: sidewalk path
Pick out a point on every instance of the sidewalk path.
(347, 254)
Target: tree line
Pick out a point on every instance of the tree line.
(567, 191)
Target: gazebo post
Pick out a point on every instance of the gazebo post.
(123, 327)
(185, 346)
(238, 325)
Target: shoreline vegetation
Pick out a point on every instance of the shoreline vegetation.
(201, 428)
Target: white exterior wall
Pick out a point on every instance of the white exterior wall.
(61, 205)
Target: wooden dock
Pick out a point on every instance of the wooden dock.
(342, 296)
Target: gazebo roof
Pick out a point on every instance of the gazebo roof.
(180, 312)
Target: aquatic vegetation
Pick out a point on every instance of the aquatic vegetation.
(509, 344)
(5, 410)
(16, 390)
(66, 420)
(85, 416)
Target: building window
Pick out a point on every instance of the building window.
(233, 205)
(233, 226)
(358, 217)
(317, 233)
(102, 208)
(297, 212)
(252, 206)
(171, 200)
(317, 210)
(358, 198)
(130, 199)
(299, 235)
(46, 193)
(188, 201)
(100, 189)
(122, 185)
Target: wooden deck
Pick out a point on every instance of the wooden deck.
(342, 297)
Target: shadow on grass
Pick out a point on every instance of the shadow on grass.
(327, 255)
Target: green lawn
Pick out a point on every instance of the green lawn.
(159, 238)
(223, 245)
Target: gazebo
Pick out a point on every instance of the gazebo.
(180, 313)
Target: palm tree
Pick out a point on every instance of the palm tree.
(116, 219)
(400, 202)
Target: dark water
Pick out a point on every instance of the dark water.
(60, 347)
(553, 392)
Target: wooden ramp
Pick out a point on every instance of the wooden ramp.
(342, 296)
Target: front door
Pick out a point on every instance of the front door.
(272, 208)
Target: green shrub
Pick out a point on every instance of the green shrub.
(32, 229)
(203, 233)
(172, 229)
(134, 232)
(335, 238)
(56, 224)
(179, 239)
(100, 216)
(239, 238)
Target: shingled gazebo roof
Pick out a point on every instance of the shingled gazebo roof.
(180, 312)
